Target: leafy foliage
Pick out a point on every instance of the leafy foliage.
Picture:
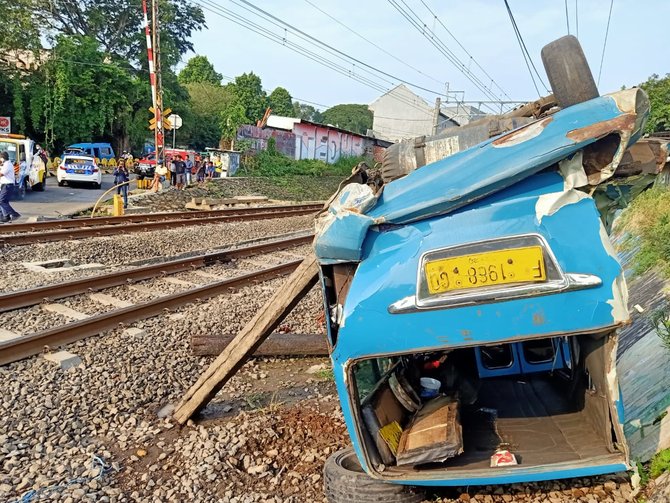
(658, 90)
(647, 220)
(274, 164)
(207, 103)
(280, 102)
(306, 112)
(116, 25)
(232, 117)
(250, 96)
(67, 100)
(199, 70)
(19, 30)
(660, 463)
(356, 118)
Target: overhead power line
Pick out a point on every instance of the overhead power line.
(405, 63)
(408, 13)
(524, 51)
(294, 98)
(331, 48)
(567, 17)
(283, 40)
(607, 30)
(464, 49)
(577, 17)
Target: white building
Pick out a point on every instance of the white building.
(400, 114)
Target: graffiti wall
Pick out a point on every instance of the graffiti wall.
(325, 144)
(285, 141)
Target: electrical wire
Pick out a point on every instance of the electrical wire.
(435, 40)
(373, 44)
(331, 48)
(607, 30)
(283, 40)
(462, 47)
(567, 17)
(524, 51)
(577, 18)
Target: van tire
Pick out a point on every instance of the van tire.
(569, 74)
(345, 482)
(39, 187)
(61, 183)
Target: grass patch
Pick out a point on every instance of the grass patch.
(274, 164)
(660, 464)
(326, 375)
(647, 220)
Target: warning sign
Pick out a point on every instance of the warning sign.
(5, 125)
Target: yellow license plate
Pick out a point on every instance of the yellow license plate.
(515, 265)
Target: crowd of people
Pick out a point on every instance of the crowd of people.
(185, 171)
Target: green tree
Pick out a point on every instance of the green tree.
(232, 117)
(280, 102)
(117, 25)
(66, 100)
(19, 29)
(199, 70)
(356, 118)
(306, 112)
(658, 90)
(250, 95)
(207, 104)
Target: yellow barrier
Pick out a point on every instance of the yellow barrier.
(117, 208)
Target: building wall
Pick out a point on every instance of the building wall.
(285, 141)
(325, 144)
(401, 114)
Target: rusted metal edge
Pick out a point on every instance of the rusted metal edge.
(71, 223)
(29, 345)
(85, 232)
(25, 298)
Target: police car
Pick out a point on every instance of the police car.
(81, 168)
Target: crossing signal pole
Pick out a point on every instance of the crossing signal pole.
(153, 52)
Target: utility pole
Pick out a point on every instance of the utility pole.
(157, 83)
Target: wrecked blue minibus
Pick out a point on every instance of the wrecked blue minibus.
(473, 305)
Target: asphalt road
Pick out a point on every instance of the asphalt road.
(59, 201)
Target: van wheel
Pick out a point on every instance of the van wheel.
(97, 185)
(61, 183)
(39, 187)
(569, 74)
(345, 482)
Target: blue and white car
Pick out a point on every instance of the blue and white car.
(79, 168)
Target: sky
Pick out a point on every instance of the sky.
(635, 46)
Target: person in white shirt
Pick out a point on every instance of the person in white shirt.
(6, 188)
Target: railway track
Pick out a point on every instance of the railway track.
(71, 223)
(128, 226)
(25, 298)
(22, 346)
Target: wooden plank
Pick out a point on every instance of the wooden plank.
(249, 339)
(274, 345)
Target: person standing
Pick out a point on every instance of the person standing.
(180, 171)
(189, 170)
(173, 172)
(121, 176)
(6, 188)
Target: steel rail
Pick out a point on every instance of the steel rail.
(28, 345)
(86, 232)
(24, 298)
(70, 223)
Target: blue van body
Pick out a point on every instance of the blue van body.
(97, 150)
(562, 414)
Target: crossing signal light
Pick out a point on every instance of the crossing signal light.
(167, 124)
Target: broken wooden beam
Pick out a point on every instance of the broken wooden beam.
(274, 345)
(249, 339)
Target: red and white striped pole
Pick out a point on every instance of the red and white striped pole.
(150, 52)
(154, 78)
